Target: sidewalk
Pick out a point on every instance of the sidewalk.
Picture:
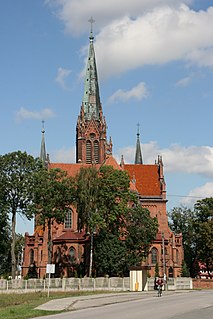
(97, 300)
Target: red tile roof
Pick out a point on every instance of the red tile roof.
(146, 178)
(70, 235)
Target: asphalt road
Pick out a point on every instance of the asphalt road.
(185, 305)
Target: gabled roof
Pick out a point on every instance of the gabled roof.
(143, 178)
(73, 169)
(70, 235)
(146, 178)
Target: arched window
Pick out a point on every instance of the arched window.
(88, 152)
(72, 254)
(31, 256)
(154, 255)
(177, 256)
(96, 151)
(68, 219)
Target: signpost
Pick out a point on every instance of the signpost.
(50, 269)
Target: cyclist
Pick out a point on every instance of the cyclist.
(160, 283)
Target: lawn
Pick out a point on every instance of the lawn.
(15, 306)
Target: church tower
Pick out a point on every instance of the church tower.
(91, 141)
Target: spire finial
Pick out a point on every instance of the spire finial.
(43, 130)
(91, 21)
(138, 132)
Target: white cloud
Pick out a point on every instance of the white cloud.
(61, 77)
(161, 36)
(63, 155)
(190, 160)
(140, 32)
(203, 191)
(25, 114)
(75, 13)
(184, 81)
(138, 92)
(202, 57)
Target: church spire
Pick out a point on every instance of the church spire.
(138, 154)
(91, 98)
(43, 154)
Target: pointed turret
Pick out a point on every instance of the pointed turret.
(138, 153)
(43, 154)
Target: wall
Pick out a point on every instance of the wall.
(203, 283)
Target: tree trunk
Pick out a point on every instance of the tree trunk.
(13, 243)
(49, 242)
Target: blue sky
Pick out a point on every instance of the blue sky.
(155, 66)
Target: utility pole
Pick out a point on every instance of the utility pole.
(164, 260)
(91, 254)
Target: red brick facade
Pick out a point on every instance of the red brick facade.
(147, 180)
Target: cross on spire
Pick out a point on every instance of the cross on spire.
(91, 21)
(138, 125)
(43, 126)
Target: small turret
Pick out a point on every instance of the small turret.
(138, 153)
(43, 154)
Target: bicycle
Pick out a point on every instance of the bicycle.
(159, 290)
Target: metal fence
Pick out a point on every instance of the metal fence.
(72, 284)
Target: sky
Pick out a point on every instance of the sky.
(155, 68)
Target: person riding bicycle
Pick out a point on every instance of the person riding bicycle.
(160, 283)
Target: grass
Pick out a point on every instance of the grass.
(22, 306)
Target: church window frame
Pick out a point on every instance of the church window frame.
(88, 152)
(31, 254)
(68, 219)
(154, 255)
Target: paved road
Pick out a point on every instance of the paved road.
(185, 305)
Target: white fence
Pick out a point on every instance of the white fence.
(72, 284)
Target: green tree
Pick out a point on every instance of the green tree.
(87, 198)
(156, 270)
(203, 226)
(102, 198)
(54, 192)
(114, 197)
(182, 221)
(196, 227)
(16, 187)
(184, 270)
(5, 243)
(140, 231)
(109, 255)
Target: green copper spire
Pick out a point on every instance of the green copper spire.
(91, 99)
(138, 154)
(43, 154)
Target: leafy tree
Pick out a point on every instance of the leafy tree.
(184, 270)
(109, 254)
(16, 187)
(156, 270)
(203, 226)
(53, 195)
(104, 204)
(140, 231)
(114, 197)
(197, 230)
(19, 251)
(32, 271)
(182, 221)
(5, 243)
(87, 196)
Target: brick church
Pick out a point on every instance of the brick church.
(92, 148)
